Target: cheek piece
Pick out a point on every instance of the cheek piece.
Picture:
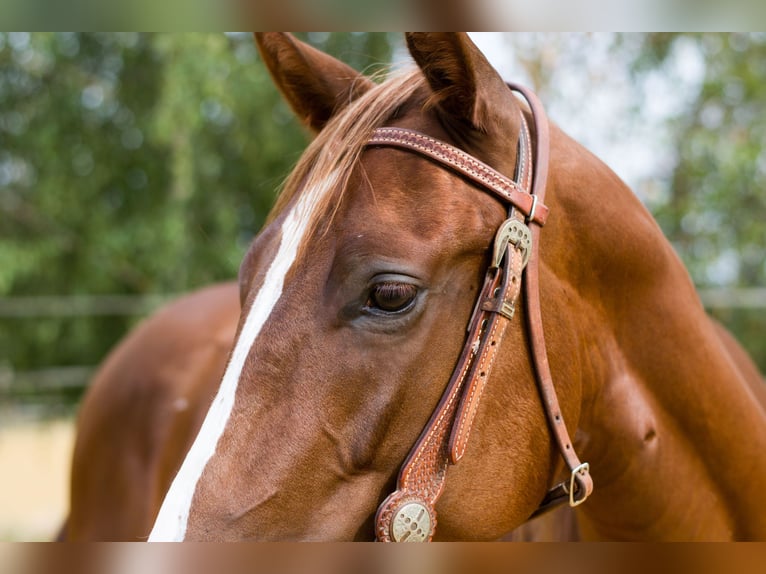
(408, 514)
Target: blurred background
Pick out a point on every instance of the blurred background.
(135, 167)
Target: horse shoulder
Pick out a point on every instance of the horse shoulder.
(678, 364)
(671, 393)
(142, 411)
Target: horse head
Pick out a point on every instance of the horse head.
(356, 296)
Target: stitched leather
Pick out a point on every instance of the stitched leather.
(508, 190)
(445, 437)
(497, 324)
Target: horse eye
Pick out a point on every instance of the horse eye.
(391, 296)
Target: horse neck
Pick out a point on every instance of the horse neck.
(674, 435)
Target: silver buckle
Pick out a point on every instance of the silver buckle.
(584, 467)
(531, 215)
(517, 234)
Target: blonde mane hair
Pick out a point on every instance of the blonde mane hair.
(336, 149)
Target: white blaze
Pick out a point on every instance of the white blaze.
(174, 514)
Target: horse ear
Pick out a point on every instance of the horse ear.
(315, 84)
(465, 85)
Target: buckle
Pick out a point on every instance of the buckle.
(583, 468)
(532, 210)
(516, 233)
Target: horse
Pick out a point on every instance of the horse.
(454, 318)
(141, 413)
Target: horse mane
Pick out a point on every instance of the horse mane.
(329, 159)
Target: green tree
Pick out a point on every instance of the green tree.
(716, 198)
(135, 164)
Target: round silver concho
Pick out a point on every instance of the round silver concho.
(411, 523)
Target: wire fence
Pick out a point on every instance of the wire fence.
(80, 305)
(54, 387)
(729, 298)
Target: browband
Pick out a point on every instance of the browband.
(508, 190)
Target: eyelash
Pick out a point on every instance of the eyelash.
(400, 296)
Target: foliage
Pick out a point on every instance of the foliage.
(134, 163)
(714, 205)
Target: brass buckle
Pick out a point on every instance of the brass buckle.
(517, 234)
(584, 467)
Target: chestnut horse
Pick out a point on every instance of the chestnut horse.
(355, 299)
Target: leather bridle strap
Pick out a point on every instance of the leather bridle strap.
(408, 513)
(580, 484)
(507, 190)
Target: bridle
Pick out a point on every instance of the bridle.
(408, 513)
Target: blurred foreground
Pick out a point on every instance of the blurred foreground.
(371, 558)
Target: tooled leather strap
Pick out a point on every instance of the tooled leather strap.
(497, 305)
(408, 513)
(507, 190)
